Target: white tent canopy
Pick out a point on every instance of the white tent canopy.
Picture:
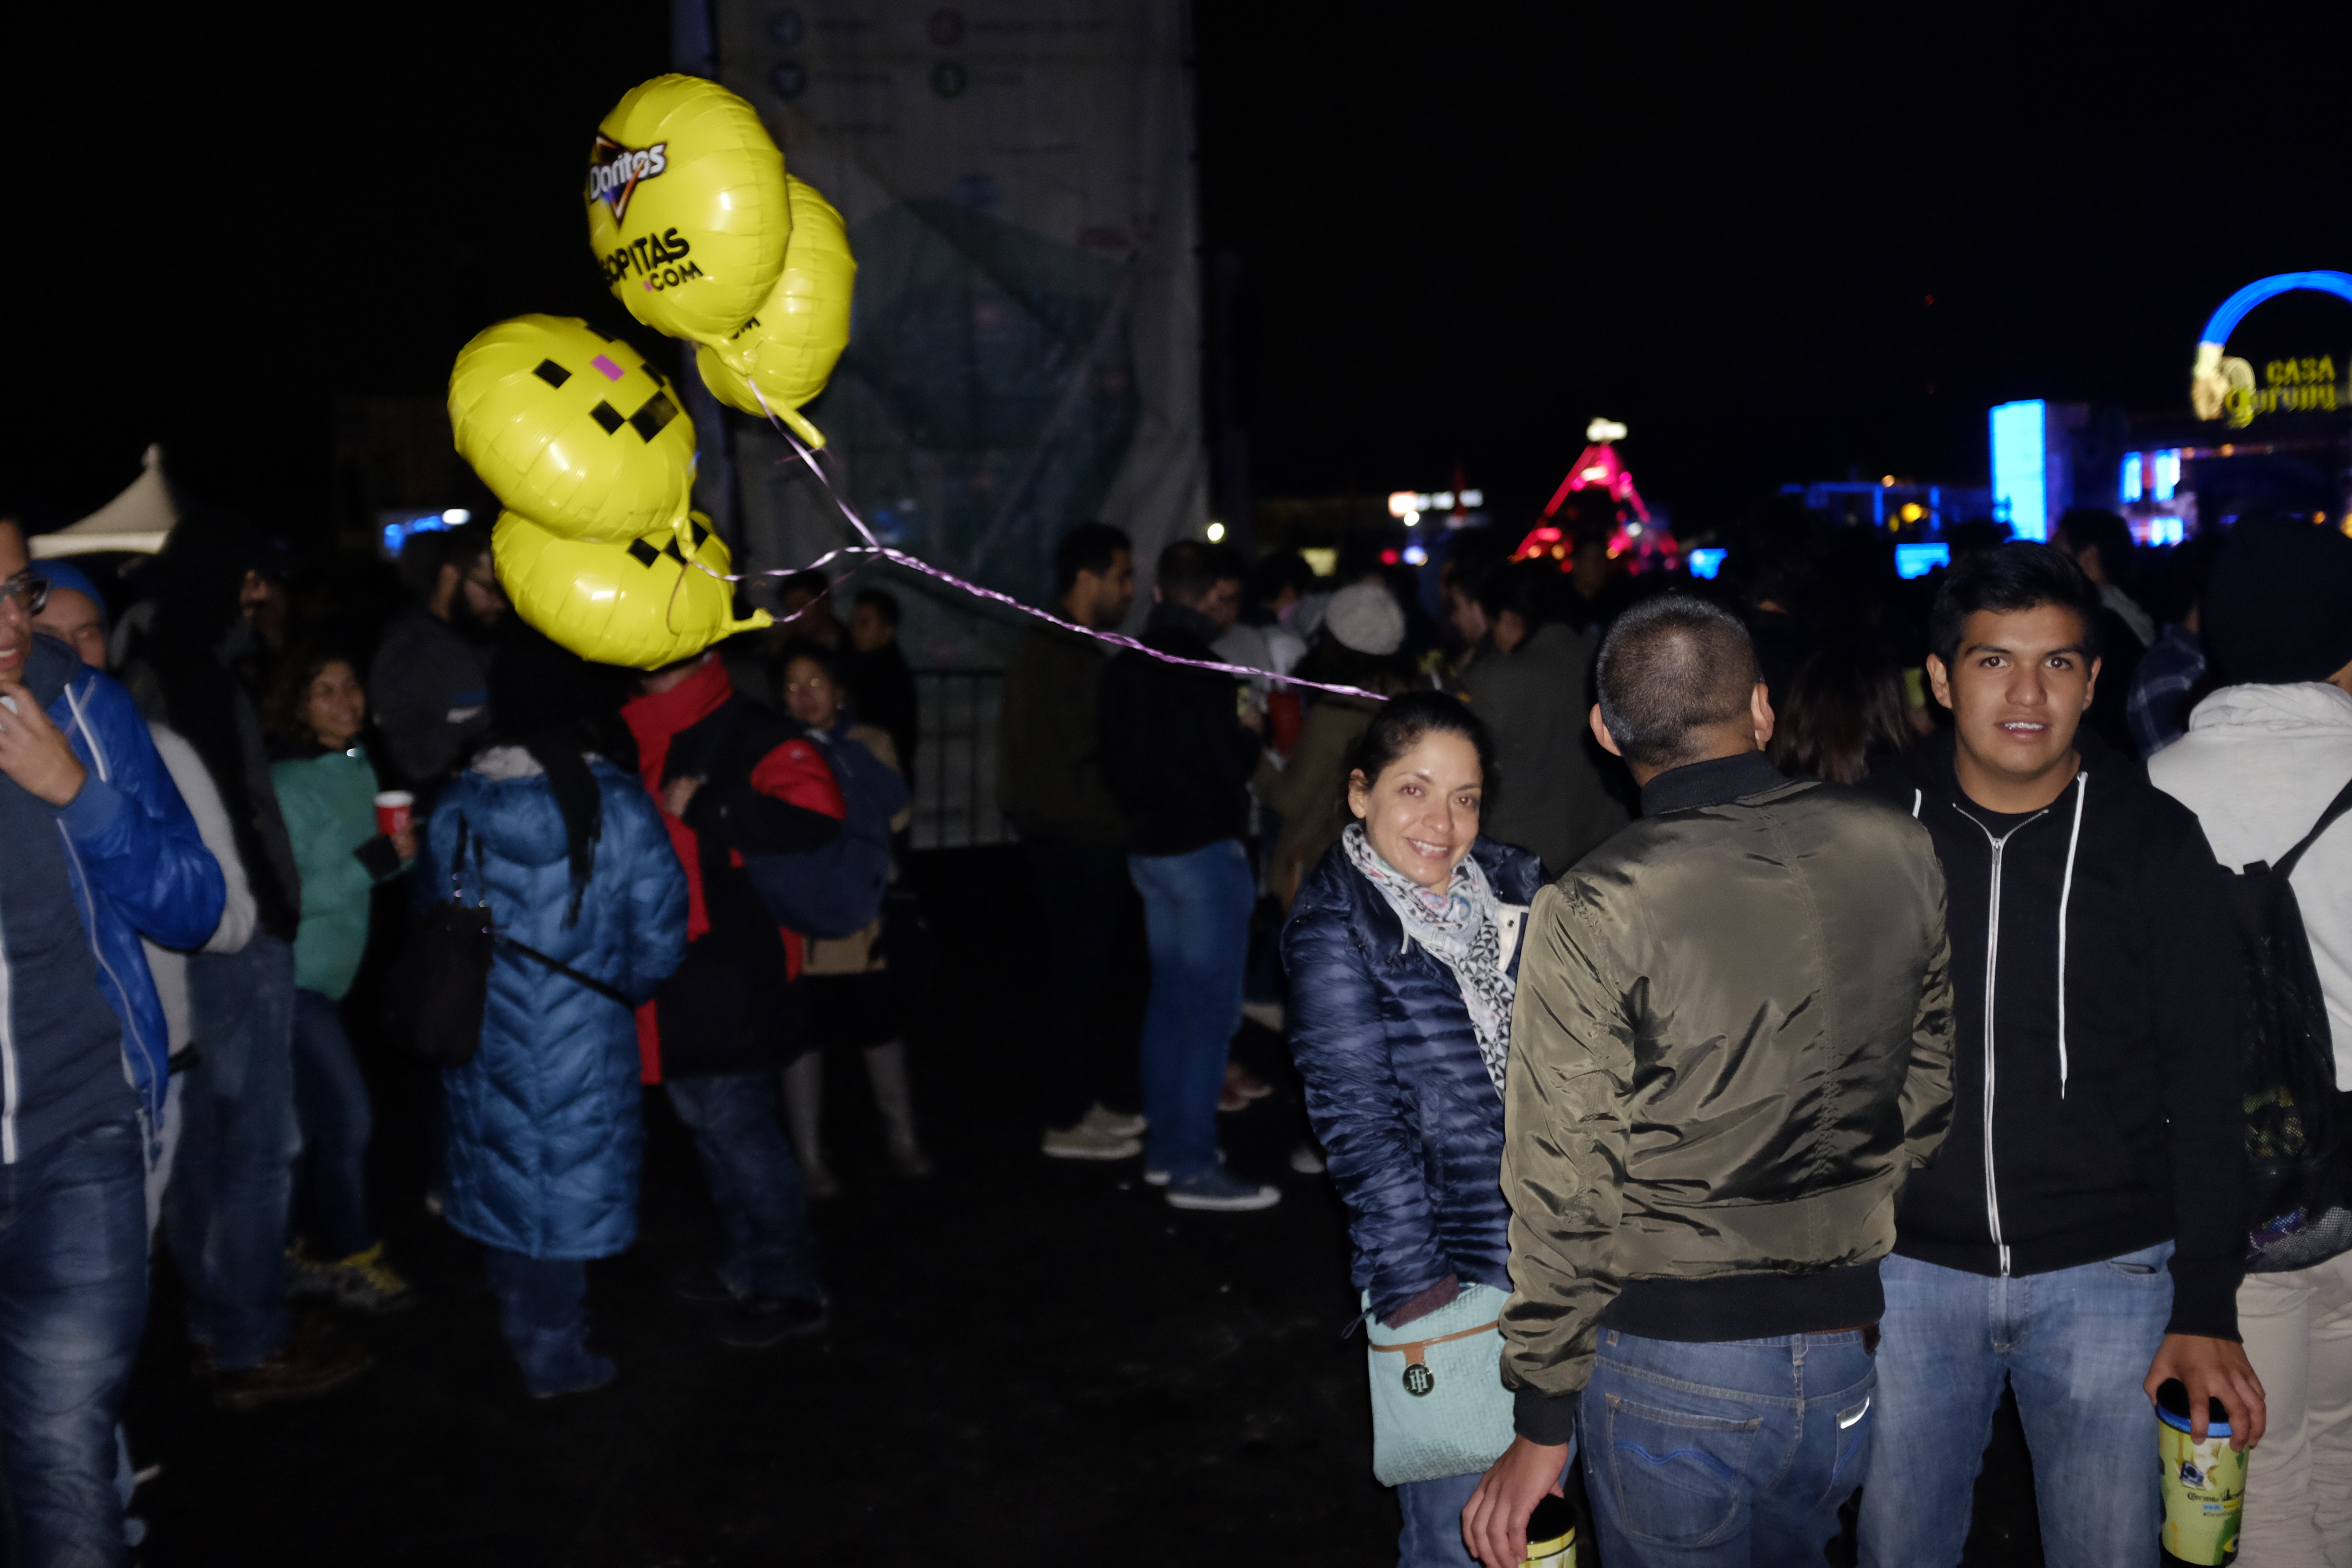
(138, 520)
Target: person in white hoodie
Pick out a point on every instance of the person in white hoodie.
(75, 614)
(2263, 759)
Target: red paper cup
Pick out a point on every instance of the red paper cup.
(392, 811)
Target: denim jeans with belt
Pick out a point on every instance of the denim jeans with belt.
(2075, 1345)
(1723, 1454)
(1196, 912)
(73, 1302)
(234, 1180)
(755, 1183)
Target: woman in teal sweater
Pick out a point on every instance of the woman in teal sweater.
(326, 788)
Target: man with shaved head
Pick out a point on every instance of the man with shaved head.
(1732, 1044)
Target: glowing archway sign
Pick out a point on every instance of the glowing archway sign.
(2214, 378)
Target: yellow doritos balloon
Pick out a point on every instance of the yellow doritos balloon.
(572, 428)
(687, 208)
(638, 603)
(789, 346)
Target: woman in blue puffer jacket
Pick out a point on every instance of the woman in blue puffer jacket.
(1402, 950)
(543, 1135)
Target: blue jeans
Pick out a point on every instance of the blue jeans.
(73, 1302)
(234, 1180)
(2075, 1344)
(1723, 1453)
(336, 1119)
(1196, 913)
(755, 1183)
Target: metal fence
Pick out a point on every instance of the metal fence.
(955, 765)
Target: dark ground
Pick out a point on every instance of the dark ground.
(1030, 1362)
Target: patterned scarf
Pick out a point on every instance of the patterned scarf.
(1459, 925)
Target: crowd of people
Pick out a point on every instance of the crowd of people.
(1762, 1019)
(207, 843)
(1790, 1011)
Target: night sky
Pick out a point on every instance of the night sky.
(1461, 231)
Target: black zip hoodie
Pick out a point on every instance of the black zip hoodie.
(2096, 1110)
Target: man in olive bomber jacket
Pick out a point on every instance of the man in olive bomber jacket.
(1732, 1045)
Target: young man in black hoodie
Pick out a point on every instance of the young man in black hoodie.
(2080, 1235)
(1179, 747)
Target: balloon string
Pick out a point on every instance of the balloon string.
(876, 548)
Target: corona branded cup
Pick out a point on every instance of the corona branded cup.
(2204, 1483)
(788, 347)
(687, 210)
(572, 428)
(644, 604)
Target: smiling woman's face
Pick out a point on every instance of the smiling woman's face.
(1422, 813)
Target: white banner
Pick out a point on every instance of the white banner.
(1024, 350)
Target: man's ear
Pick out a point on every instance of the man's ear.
(1601, 733)
(2092, 685)
(1939, 680)
(1760, 709)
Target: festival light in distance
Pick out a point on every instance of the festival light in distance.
(1414, 555)
(2019, 478)
(2167, 473)
(1918, 560)
(1705, 562)
(1216, 534)
(2130, 488)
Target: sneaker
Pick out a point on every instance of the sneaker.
(699, 1283)
(1219, 1191)
(763, 1322)
(907, 1157)
(1265, 1014)
(1158, 1178)
(292, 1371)
(561, 1364)
(365, 1281)
(306, 1275)
(1246, 1083)
(1308, 1161)
(1117, 1124)
(1085, 1142)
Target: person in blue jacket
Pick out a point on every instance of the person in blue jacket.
(96, 848)
(543, 1132)
(1402, 952)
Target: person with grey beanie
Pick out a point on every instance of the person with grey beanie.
(2263, 759)
(1357, 644)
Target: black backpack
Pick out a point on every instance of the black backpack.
(2296, 1119)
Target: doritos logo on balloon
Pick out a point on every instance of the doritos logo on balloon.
(719, 194)
(613, 172)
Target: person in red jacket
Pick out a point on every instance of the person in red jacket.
(732, 779)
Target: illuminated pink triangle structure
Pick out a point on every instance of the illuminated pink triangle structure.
(1600, 465)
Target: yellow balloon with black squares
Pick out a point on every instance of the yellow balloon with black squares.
(686, 211)
(658, 598)
(572, 428)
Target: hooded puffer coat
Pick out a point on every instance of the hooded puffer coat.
(544, 1140)
(1395, 1086)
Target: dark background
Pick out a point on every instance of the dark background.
(1458, 232)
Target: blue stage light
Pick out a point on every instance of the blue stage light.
(1705, 562)
(2019, 475)
(1918, 560)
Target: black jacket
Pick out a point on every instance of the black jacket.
(1175, 754)
(2102, 1090)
